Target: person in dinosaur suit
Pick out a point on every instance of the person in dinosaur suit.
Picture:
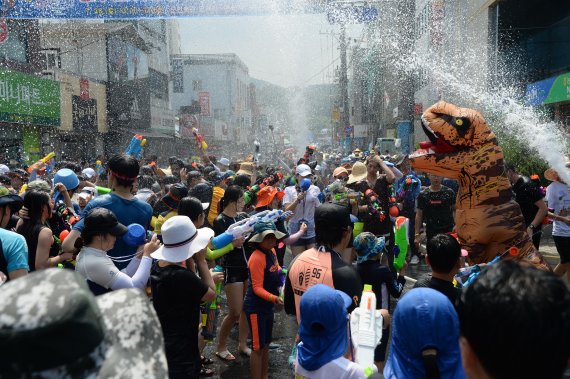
(462, 147)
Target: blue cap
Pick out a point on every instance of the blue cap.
(136, 235)
(323, 328)
(424, 319)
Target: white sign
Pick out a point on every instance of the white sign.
(361, 131)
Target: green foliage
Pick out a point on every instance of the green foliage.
(526, 160)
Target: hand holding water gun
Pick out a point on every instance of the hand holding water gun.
(39, 164)
(366, 329)
(135, 146)
(475, 271)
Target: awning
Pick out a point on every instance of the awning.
(549, 91)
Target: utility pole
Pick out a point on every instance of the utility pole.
(343, 81)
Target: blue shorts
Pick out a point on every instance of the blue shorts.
(261, 327)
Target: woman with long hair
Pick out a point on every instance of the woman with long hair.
(42, 249)
(235, 273)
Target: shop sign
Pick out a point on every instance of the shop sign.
(549, 91)
(26, 99)
(84, 114)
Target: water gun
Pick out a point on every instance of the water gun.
(23, 189)
(103, 190)
(282, 277)
(305, 184)
(243, 228)
(475, 271)
(44, 160)
(199, 139)
(213, 308)
(401, 240)
(251, 194)
(99, 167)
(135, 147)
(366, 329)
(374, 207)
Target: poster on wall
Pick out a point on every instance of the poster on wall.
(84, 114)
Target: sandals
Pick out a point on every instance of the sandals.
(225, 356)
(206, 361)
(246, 352)
(207, 372)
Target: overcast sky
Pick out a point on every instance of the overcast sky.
(285, 50)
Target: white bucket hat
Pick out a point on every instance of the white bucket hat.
(181, 240)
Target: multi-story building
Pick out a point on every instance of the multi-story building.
(211, 92)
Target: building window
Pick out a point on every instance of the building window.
(158, 83)
(51, 59)
(197, 85)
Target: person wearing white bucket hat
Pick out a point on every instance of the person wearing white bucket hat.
(177, 292)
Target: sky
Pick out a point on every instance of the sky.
(286, 50)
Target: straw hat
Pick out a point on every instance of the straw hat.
(359, 173)
(551, 173)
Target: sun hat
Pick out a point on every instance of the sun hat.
(224, 161)
(4, 169)
(303, 170)
(263, 229)
(339, 171)
(551, 174)
(102, 220)
(398, 159)
(7, 198)
(93, 336)
(323, 326)
(424, 319)
(266, 194)
(176, 192)
(246, 168)
(88, 172)
(367, 246)
(181, 240)
(358, 173)
(39, 185)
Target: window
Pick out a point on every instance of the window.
(197, 85)
(52, 59)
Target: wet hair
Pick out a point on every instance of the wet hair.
(146, 181)
(517, 321)
(243, 181)
(191, 207)
(232, 194)
(34, 201)
(126, 166)
(146, 170)
(443, 251)
(170, 179)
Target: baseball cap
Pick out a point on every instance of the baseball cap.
(102, 220)
(424, 319)
(4, 169)
(215, 177)
(224, 161)
(86, 192)
(266, 194)
(339, 171)
(367, 246)
(88, 172)
(323, 326)
(176, 192)
(303, 170)
(8, 198)
(332, 216)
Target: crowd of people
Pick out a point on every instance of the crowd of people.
(185, 234)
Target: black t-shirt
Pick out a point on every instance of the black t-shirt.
(437, 209)
(237, 258)
(372, 221)
(526, 194)
(440, 285)
(176, 296)
(384, 282)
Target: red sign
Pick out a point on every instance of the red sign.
(3, 30)
(84, 89)
(204, 101)
(418, 108)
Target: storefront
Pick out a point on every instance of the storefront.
(554, 94)
(29, 110)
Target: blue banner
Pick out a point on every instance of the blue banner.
(537, 92)
(130, 9)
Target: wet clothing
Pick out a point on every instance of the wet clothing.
(437, 208)
(234, 262)
(217, 195)
(384, 282)
(14, 252)
(372, 222)
(443, 286)
(305, 211)
(32, 242)
(315, 266)
(128, 212)
(177, 294)
(558, 201)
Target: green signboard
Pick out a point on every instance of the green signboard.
(560, 90)
(26, 99)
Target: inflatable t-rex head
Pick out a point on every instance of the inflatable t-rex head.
(450, 128)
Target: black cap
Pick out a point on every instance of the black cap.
(102, 220)
(202, 192)
(332, 216)
(215, 177)
(176, 192)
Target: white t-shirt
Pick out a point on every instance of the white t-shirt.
(558, 198)
(340, 368)
(305, 209)
(96, 266)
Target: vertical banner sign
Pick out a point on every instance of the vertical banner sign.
(204, 101)
(3, 30)
(84, 89)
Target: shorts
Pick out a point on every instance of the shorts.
(235, 275)
(261, 328)
(305, 241)
(563, 248)
(380, 350)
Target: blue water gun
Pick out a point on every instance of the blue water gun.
(475, 271)
(135, 146)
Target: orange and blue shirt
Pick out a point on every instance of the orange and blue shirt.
(263, 288)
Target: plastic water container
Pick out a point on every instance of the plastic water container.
(136, 235)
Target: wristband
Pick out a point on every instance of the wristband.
(532, 227)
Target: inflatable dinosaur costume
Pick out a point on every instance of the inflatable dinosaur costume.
(462, 147)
